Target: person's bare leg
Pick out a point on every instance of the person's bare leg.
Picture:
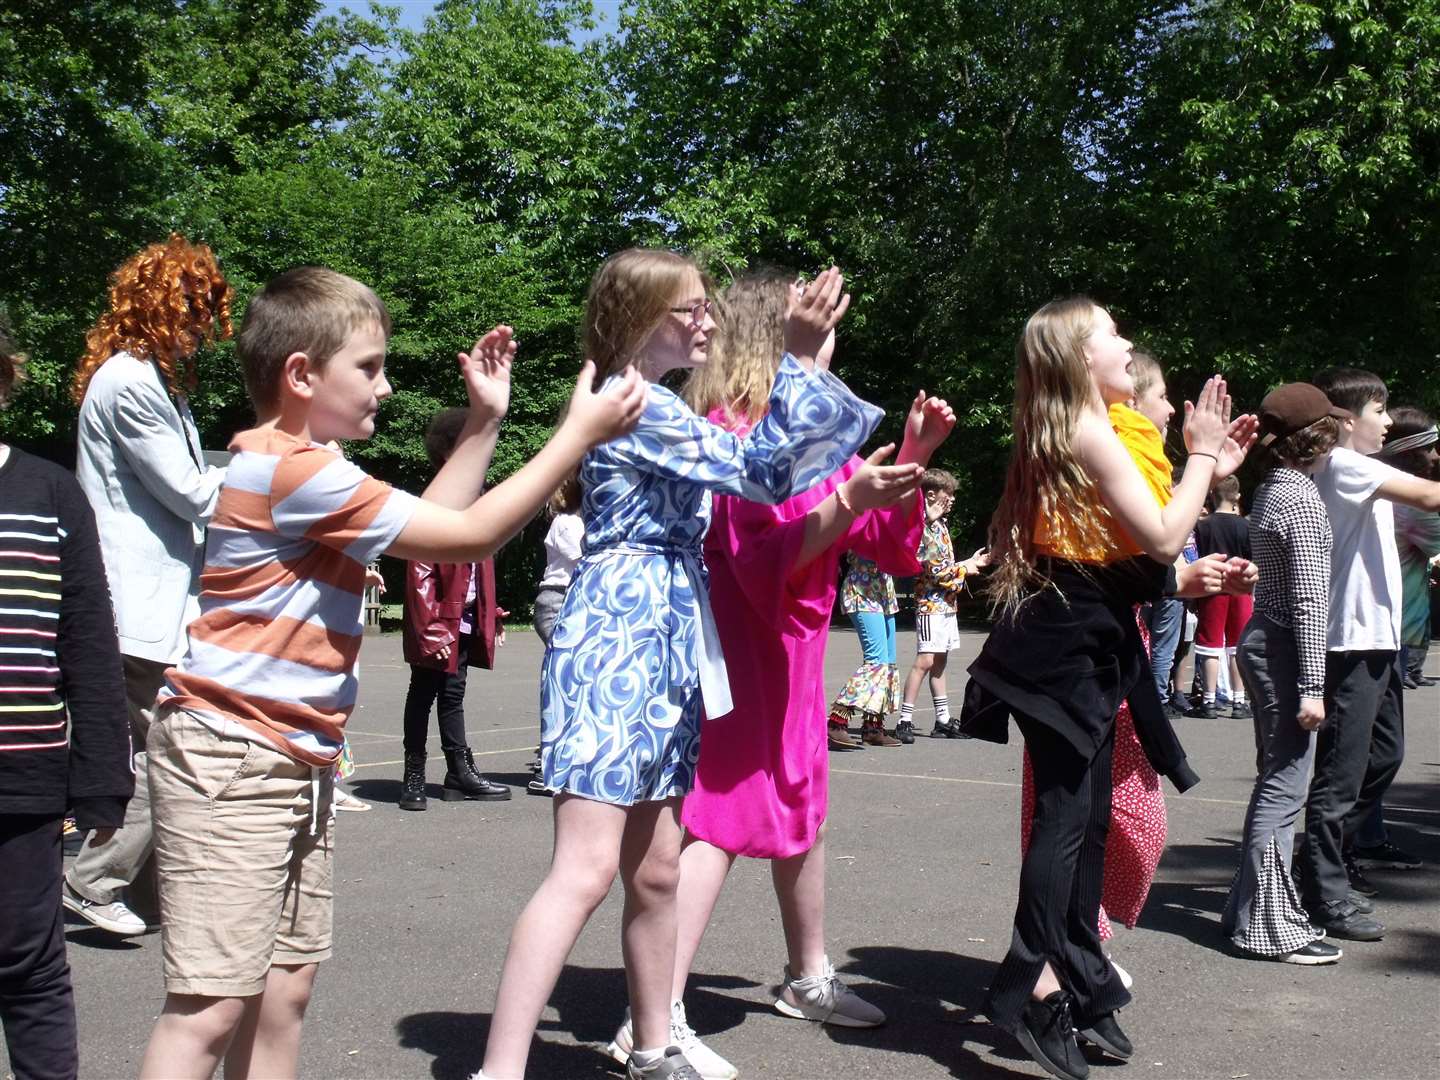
(800, 887)
(650, 869)
(703, 869)
(587, 854)
(937, 674)
(1046, 984)
(191, 1035)
(1209, 675)
(918, 671)
(266, 1045)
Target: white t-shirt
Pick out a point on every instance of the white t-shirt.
(563, 546)
(1365, 583)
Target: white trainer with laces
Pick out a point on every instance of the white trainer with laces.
(827, 1000)
(709, 1064)
(114, 916)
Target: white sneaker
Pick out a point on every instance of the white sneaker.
(826, 999)
(114, 916)
(709, 1064)
(1125, 979)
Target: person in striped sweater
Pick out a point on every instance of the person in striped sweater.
(64, 737)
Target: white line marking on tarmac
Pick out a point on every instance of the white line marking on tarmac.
(479, 753)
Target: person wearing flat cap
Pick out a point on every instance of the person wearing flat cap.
(1281, 656)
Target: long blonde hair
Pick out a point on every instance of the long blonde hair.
(629, 295)
(1045, 480)
(746, 353)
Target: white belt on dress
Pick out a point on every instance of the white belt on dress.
(714, 677)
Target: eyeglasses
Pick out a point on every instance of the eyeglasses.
(697, 311)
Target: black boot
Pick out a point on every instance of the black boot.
(412, 787)
(462, 781)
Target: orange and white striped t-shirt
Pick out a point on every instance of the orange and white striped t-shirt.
(282, 593)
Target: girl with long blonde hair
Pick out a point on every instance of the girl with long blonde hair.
(762, 780)
(634, 655)
(1082, 533)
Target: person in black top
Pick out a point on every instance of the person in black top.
(1222, 617)
(64, 737)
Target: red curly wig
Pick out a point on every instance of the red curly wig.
(165, 302)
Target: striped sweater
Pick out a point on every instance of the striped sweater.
(64, 733)
(282, 594)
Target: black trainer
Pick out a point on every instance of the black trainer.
(1341, 919)
(1047, 1033)
(1106, 1034)
(1362, 904)
(1386, 856)
(1205, 710)
(905, 732)
(1312, 955)
(1359, 883)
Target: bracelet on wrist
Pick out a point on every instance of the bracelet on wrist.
(844, 501)
(1202, 453)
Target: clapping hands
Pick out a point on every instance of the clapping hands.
(815, 310)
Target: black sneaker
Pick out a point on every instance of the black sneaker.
(905, 732)
(1340, 919)
(1386, 856)
(1241, 711)
(1360, 903)
(1047, 1033)
(1359, 883)
(1106, 1034)
(1205, 710)
(1312, 955)
(941, 731)
(955, 732)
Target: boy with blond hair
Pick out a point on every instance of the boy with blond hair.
(251, 721)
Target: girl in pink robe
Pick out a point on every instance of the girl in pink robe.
(762, 781)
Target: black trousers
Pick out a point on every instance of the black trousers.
(426, 686)
(1357, 753)
(37, 1005)
(1057, 917)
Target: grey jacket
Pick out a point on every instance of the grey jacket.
(139, 463)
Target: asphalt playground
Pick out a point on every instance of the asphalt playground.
(924, 852)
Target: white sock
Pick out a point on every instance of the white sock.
(643, 1059)
(942, 709)
(907, 712)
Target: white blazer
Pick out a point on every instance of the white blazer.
(140, 464)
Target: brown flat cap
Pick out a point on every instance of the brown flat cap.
(1296, 405)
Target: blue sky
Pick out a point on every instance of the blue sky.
(413, 12)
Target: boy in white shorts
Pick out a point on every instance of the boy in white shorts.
(936, 590)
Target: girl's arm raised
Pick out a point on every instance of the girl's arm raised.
(1216, 449)
(439, 534)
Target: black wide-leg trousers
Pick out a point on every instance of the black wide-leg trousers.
(1058, 913)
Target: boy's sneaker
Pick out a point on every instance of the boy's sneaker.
(706, 1062)
(114, 916)
(1205, 710)
(1340, 919)
(1358, 881)
(1312, 955)
(671, 1066)
(1241, 711)
(826, 1000)
(1386, 856)
(905, 732)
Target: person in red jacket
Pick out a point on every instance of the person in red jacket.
(452, 623)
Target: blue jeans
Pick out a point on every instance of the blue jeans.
(1166, 619)
(877, 636)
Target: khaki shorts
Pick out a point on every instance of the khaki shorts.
(245, 868)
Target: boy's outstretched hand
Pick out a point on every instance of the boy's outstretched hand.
(486, 369)
(928, 424)
(814, 313)
(597, 417)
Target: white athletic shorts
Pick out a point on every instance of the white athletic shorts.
(937, 633)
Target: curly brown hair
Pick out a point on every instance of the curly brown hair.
(12, 366)
(1300, 448)
(165, 302)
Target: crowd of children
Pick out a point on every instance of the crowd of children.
(194, 708)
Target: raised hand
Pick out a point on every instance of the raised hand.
(597, 417)
(1207, 419)
(874, 485)
(1244, 430)
(977, 562)
(486, 369)
(927, 425)
(814, 313)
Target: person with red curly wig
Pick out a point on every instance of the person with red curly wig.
(140, 465)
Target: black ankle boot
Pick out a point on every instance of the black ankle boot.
(412, 787)
(462, 781)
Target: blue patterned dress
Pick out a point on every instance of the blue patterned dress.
(621, 686)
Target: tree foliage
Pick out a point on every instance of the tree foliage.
(1251, 187)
